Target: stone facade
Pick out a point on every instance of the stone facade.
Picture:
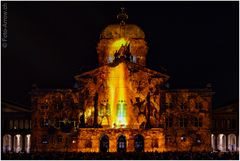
(122, 105)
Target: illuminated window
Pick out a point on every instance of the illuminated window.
(27, 143)
(17, 143)
(110, 59)
(7, 143)
(134, 58)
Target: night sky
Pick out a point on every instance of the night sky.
(51, 42)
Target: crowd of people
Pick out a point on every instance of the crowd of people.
(122, 156)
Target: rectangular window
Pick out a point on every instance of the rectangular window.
(169, 122)
(197, 122)
(183, 122)
(15, 126)
(182, 106)
(228, 124)
(11, 124)
(57, 123)
(233, 124)
(169, 105)
(213, 124)
(26, 126)
(168, 140)
(42, 122)
(20, 124)
(44, 139)
(59, 139)
(222, 123)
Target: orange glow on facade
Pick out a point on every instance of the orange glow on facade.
(117, 94)
(116, 45)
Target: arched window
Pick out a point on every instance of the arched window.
(139, 143)
(221, 142)
(17, 143)
(121, 144)
(232, 142)
(104, 143)
(27, 143)
(213, 142)
(7, 143)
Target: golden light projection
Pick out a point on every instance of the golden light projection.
(115, 46)
(117, 95)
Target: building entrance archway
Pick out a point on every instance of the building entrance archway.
(7, 143)
(104, 143)
(221, 142)
(17, 143)
(139, 143)
(121, 144)
(232, 142)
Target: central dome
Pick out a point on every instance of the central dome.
(114, 31)
(121, 39)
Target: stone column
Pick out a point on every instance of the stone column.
(215, 142)
(23, 143)
(226, 142)
(12, 143)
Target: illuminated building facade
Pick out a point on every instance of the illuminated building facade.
(122, 105)
(15, 128)
(225, 127)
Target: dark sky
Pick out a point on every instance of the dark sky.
(51, 42)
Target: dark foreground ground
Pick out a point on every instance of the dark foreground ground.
(122, 156)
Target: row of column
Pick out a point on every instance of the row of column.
(223, 143)
(16, 143)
